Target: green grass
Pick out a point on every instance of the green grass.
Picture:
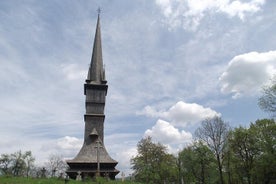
(22, 180)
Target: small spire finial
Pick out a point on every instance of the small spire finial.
(99, 10)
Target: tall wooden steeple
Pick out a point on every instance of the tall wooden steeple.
(93, 159)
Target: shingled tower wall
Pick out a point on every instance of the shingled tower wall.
(93, 159)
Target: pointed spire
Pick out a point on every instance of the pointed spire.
(96, 70)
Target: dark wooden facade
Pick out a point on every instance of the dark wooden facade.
(93, 159)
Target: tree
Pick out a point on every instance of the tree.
(5, 161)
(186, 159)
(56, 165)
(197, 163)
(264, 132)
(267, 102)
(153, 164)
(18, 163)
(243, 145)
(229, 163)
(29, 161)
(214, 132)
(253, 152)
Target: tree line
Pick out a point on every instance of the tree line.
(22, 164)
(218, 154)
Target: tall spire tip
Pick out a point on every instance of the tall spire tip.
(99, 10)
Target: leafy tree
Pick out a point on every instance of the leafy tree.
(228, 162)
(5, 162)
(264, 132)
(197, 163)
(244, 149)
(253, 152)
(18, 163)
(267, 101)
(186, 158)
(29, 161)
(214, 132)
(153, 164)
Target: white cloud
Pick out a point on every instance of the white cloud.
(181, 114)
(42, 148)
(151, 112)
(67, 146)
(166, 6)
(247, 73)
(68, 142)
(123, 157)
(238, 8)
(167, 134)
(189, 13)
(122, 147)
(72, 71)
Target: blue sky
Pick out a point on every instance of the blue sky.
(169, 65)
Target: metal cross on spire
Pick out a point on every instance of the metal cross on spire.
(99, 10)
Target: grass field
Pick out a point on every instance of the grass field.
(21, 180)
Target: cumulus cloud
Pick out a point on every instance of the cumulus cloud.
(123, 157)
(72, 71)
(247, 73)
(179, 115)
(68, 146)
(68, 142)
(189, 13)
(166, 133)
(151, 112)
(122, 147)
(182, 114)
